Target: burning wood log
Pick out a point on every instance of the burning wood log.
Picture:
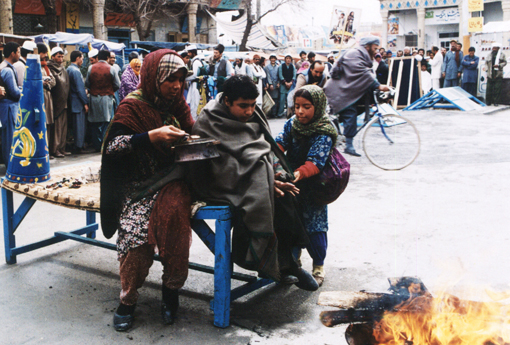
(366, 306)
(410, 315)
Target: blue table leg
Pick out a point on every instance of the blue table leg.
(91, 219)
(9, 239)
(222, 274)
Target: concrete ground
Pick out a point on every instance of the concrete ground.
(444, 219)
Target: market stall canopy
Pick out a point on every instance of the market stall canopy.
(4, 38)
(79, 39)
(177, 46)
(235, 30)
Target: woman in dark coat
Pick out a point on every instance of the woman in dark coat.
(146, 123)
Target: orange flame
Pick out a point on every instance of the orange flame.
(444, 320)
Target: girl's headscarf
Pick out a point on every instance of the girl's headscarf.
(304, 66)
(133, 63)
(320, 124)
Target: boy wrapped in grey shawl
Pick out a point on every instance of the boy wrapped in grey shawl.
(243, 177)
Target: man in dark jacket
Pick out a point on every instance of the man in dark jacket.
(382, 70)
(78, 101)
(352, 77)
(470, 72)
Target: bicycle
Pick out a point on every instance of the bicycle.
(390, 141)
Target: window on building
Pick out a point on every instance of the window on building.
(411, 40)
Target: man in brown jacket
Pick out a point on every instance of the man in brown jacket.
(59, 94)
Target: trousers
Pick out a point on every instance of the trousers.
(79, 128)
(349, 116)
(492, 96)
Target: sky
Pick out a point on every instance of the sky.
(318, 12)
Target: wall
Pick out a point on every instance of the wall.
(492, 12)
(432, 33)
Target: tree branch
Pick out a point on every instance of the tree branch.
(284, 2)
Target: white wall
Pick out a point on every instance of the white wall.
(432, 33)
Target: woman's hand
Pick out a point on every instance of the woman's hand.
(282, 187)
(166, 135)
(297, 176)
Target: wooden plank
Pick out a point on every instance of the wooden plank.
(399, 80)
(410, 89)
(389, 81)
(347, 299)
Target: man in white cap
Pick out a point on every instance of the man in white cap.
(59, 94)
(20, 66)
(331, 61)
(93, 57)
(352, 77)
(495, 62)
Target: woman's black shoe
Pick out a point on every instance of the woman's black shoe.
(170, 305)
(123, 317)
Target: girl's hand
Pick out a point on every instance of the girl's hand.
(297, 176)
(281, 187)
(166, 135)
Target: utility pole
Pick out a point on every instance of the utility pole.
(258, 10)
(6, 17)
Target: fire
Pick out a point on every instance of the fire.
(444, 320)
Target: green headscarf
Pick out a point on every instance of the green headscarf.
(320, 124)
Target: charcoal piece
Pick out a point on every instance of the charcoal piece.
(360, 334)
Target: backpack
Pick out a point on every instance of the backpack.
(327, 186)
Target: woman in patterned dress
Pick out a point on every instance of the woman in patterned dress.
(146, 123)
(308, 137)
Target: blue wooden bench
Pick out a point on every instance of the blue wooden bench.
(218, 242)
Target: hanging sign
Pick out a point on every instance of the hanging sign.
(442, 16)
(475, 24)
(475, 5)
(73, 17)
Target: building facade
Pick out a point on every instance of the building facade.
(29, 18)
(426, 23)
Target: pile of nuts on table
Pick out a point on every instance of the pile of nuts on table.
(70, 182)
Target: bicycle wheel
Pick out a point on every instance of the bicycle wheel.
(395, 150)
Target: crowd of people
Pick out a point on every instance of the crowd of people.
(441, 67)
(133, 116)
(77, 109)
(274, 78)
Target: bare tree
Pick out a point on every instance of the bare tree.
(271, 6)
(6, 25)
(98, 19)
(146, 12)
(50, 8)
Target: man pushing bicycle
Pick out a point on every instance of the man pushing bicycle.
(352, 77)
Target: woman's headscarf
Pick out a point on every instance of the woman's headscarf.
(156, 67)
(133, 63)
(320, 124)
(304, 66)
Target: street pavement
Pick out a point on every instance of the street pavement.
(443, 219)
